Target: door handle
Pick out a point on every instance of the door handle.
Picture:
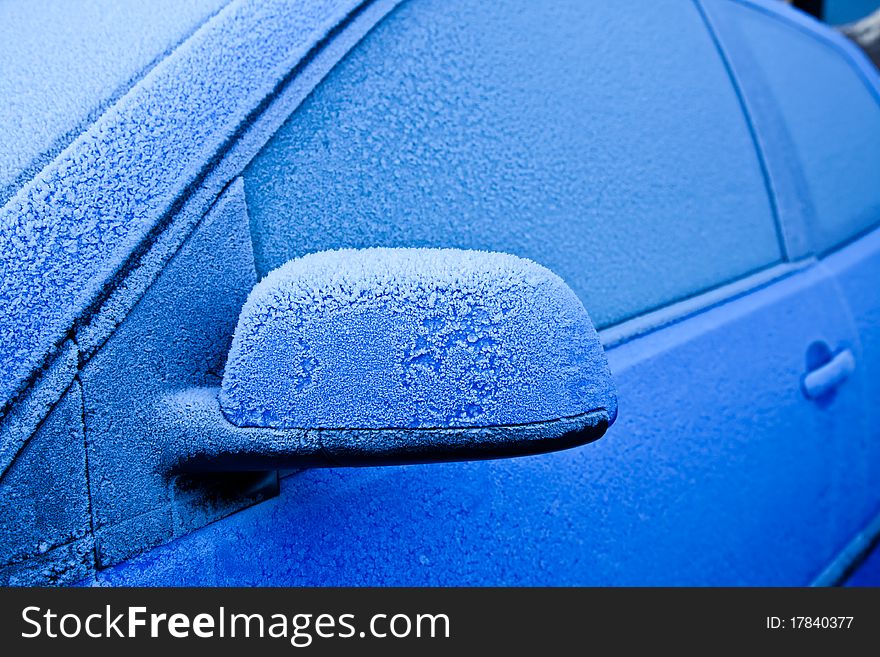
(828, 376)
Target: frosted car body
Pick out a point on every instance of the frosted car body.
(710, 201)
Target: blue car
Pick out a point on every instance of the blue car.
(436, 292)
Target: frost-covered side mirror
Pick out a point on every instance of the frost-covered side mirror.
(378, 356)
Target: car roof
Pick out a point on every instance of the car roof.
(63, 63)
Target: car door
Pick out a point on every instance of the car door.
(611, 145)
(815, 101)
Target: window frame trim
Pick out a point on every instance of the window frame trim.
(679, 311)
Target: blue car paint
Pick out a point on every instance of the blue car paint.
(44, 503)
(856, 270)
(670, 496)
(868, 571)
(837, 12)
(855, 266)
(828, 504)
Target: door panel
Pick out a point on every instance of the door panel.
(856, 268)
(773, 473)
(718, 471)
(818, 99)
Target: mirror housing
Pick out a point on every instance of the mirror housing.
(376, 356)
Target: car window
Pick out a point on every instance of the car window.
(833, 119)
(602, 140)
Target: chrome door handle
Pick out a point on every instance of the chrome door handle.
(829, 376)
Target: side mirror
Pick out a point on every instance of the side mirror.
(391, 356)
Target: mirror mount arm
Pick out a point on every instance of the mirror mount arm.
(201, 439)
